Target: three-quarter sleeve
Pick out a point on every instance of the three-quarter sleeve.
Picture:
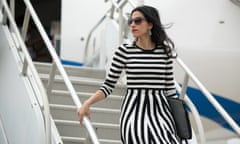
(117, 65)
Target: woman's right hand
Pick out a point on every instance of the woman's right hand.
(83, 111)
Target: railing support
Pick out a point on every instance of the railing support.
(185, 84)
(51, 78)
(24, 67)
(60, 68)
(1, 6)
(209, 96)
(12, 8)
(140, 2)
(4, 16)
(120, 18)
(115, 7)
(25, 24)
(195, 113)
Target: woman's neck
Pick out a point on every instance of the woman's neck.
(145, 43)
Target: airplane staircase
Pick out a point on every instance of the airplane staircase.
(66, 86)
(104, 115)
(15, 56)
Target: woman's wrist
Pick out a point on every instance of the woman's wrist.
(87, 103)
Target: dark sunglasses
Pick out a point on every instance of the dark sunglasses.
(137, 20)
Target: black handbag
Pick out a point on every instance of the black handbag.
(181, 118)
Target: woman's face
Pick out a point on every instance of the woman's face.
(138, 24)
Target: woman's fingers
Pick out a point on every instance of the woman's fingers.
(83, 111)
(80, 115)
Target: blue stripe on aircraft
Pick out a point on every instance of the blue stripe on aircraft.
(72, 63)
(206, 109)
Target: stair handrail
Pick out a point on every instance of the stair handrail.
(28, 63)
(61, 69)
(194, 111)
(115, 6)
(189, 75)
(91, 32)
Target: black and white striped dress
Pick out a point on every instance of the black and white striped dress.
(145, 116)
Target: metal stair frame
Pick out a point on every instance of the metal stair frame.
(28, 64)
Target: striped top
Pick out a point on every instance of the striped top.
(145, 69)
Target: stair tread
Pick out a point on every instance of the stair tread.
(95, 124)
(80, 80)
(72, 107)
(72, 78)
(105, 114)
(81, 139)
(45, 64)
(67, 93)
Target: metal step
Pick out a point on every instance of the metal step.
(77, 140)
(73, 129)
(63, 97)
(73, 71)
(100, 115)
(81, 84)
(104, 114)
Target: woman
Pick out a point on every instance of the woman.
(145, 116)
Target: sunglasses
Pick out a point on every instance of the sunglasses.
(137, 20)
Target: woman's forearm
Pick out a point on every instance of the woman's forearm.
(98, 96)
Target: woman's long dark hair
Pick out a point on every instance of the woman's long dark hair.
(159, 36)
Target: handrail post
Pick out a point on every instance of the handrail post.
(25, 23)
(112, 11)
(219, 108)
(114, 7)
(24, 67)
(4, 14)
(119, 7)
(197, 119)
(184, 87)
(60, 67)
(51, 78)
(140, 2)
(195, 113)
(12, 8)
(209, 96)
(120, 18)
(1, 6)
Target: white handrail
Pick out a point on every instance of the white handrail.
(90, 34)
(195, 113)
(209, 96)
(115, 7)
(119, 7)
(61, 69)
(28, 62)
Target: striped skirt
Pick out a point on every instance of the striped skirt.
(146, 119)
